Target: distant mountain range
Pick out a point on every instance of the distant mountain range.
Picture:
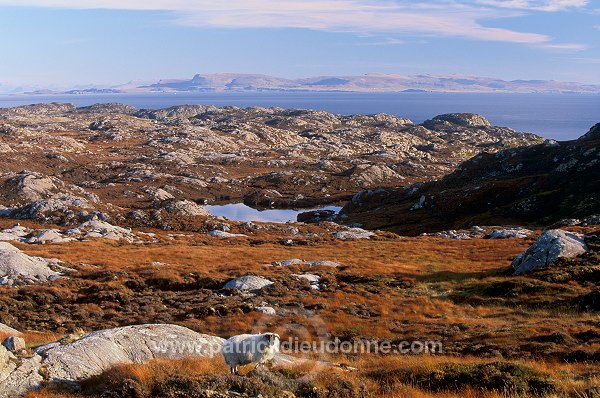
(373, 82)
(366, 83)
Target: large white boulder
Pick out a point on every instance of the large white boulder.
(98, 351)
(18, 267)
(549, 247)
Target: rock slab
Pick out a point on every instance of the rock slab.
(98, 351)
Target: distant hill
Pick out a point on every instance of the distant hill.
(365, 83)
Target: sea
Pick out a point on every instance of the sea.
(556, 116)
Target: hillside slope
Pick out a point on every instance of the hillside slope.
(535, 185)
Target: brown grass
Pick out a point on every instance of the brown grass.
(430, 259)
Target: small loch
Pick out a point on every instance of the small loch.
(241, 212)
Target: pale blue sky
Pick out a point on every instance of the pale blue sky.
(62, 43)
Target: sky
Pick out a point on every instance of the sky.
(70, 43)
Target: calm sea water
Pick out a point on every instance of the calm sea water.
(558, 116)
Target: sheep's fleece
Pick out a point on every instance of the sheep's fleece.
(250, 348)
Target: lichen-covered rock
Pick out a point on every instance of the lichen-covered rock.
(17, 267)
(313, 280)
(266, 310)
(98, 351)
(32, 186)
(48, 236)
(15, 233)
(60, 204)
(297, 261)
(249, 283)
(17, 376)
(354, 233)
(101, 229)
(549, 247)
(460, 119)
(519, 233)
(224, 235)
(185, 208)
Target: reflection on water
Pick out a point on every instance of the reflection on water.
(241, 212)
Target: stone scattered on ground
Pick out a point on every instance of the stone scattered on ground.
(101, 229)
(314, 280)
(479, 232)
(248, 283)
(549, 247)
(354, 233)
(519, 233)
(224, 235)
(17, 267)
(297, 261)
(266, 310)
(185, 208)
(16, 233)
(591, 220)
(48, 236)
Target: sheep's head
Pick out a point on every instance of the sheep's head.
(271, 338)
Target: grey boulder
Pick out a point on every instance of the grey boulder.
(18, 267)
(249, 283)
(549, 247)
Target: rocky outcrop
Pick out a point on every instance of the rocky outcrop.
(549, 247)
(519, 233)
(31, 186)
(167, 162)
(101, 229)
(185, 208)
(17, 267)
(451, 120)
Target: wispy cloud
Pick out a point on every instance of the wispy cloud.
(384, 17)
(537, 5)
(385, 41)
(565, 46)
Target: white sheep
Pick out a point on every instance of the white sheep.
(250, 348)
